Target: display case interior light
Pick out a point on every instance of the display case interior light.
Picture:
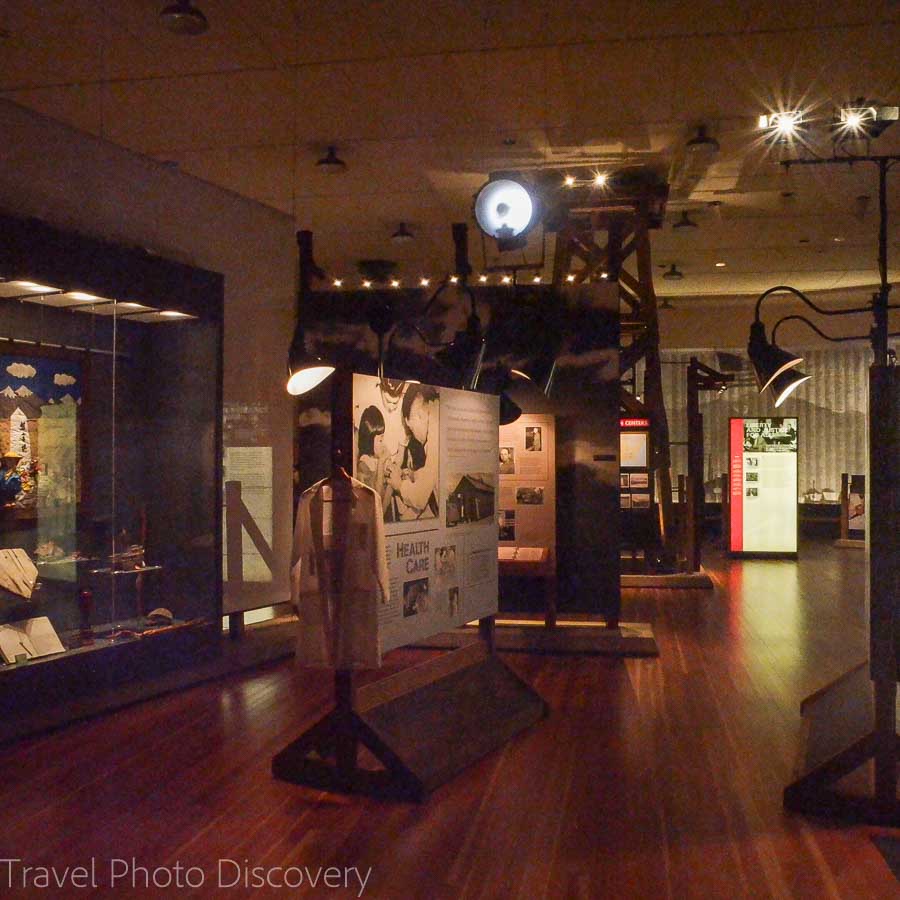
(782, 125)
(163, 315)
(114, 308)
(17, 288)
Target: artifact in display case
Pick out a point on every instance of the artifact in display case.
(110, 436)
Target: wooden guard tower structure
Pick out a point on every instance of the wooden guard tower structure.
(602, 229)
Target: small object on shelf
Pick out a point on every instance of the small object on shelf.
(160, 616)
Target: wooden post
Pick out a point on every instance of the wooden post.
(845, 506)
(234, 548)
(487, 629)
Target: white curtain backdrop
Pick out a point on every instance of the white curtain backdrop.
(831, 409)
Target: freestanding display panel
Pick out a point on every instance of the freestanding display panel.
(763, 476)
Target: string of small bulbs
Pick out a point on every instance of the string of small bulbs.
(505, 280)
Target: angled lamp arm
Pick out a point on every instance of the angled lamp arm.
(818, 331)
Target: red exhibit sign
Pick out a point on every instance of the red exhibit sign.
(634, 423)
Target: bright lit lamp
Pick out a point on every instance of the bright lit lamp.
(305, 370)
(506, 210)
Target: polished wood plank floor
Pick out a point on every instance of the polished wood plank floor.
(651, 777)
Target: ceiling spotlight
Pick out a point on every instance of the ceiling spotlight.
(331, 163)
(454, 279)
(600, 179)
(506, 210)
(506, 279)
(569, 181)
(402, 235)
(536, 279)
(673, 273)
(702, 144)
(424, 282)
(721, 265)
(367, 283)
(338, 282)
(395, 283)
(570, 278)
(604, 275)
(483, 279)
(685, 221)
(782, 126)
(183, 17)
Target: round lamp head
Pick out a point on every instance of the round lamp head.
(505, 209)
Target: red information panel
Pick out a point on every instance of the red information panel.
(763, 479)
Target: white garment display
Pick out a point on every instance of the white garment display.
(339, 574)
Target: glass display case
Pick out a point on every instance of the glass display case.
(110, 448)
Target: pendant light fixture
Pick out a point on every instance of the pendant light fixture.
(182, 17)
(331, 163)
(402, 235)
(305, 369)
(673, 273)
(685, 221)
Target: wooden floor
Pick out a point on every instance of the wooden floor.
(651, 777)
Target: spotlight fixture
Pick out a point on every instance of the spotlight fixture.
(600, 179)
(424, 282)
(506, 279)
(786, 383)
(569, 181)
(769, 361)
(338, 282)
(721, 265)
(570, 278)
(702, 144)
(506, 210)
(685, 221)
(782, 126)
(331, 163)
(402, 235)
(395, 282)
(305, 369)
(366, 283)
(483, 279)
(536, 279)
(454, 279)
(673, 273)
(183, 17)
(864, 119)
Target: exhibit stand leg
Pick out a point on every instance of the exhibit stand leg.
(852, 721)
(423, 724)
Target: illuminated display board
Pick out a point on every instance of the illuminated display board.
(763, 477)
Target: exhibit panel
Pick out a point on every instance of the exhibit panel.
(110, 395)
(763, 486)
(527, 514)
(430, 454)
